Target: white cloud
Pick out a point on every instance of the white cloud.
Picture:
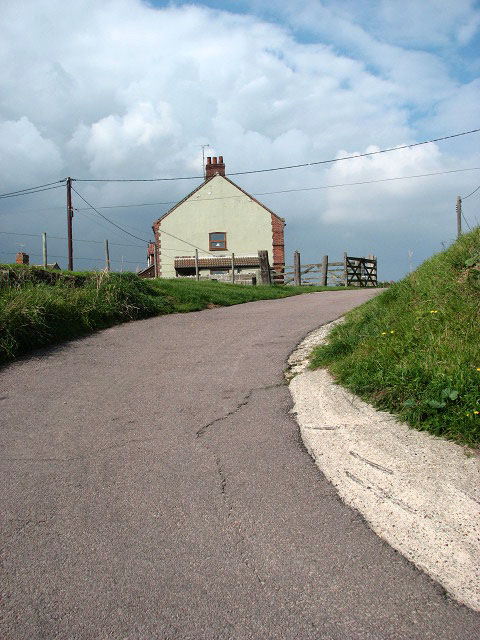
(27, 156)
(122, 89)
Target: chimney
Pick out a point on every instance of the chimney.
(214, 168)
(22, 258)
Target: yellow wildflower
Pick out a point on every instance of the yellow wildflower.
(392, 331)
(434, 311)
(468, 415)
(476, 413)
(384, 333)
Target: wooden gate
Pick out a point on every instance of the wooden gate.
(351, 271)
(361, 272)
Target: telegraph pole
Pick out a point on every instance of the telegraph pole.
(69, 224)
(459, 216)
(107, 257)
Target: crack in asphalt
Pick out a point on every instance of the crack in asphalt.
(201, 432)
(241, 541)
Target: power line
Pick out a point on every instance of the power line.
(466, 222)
(131, 234)
(91, 218)
(292, 166)
(328, 186)
(40, 255)
(28, 193)
(40, 186)
(36, 235)
(352, 184)
(471, 194)
(107, 219)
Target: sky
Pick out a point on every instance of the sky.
(129, 89)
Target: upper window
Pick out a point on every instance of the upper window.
(218, 241)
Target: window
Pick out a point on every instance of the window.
(218, 241)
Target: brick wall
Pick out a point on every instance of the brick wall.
(158, 242)
(278, 226)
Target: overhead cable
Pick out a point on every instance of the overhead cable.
(107, 219)
(28, 193)
(36, 235)
(282, 168)
(263, 193)
(40, 186)
(471, 194)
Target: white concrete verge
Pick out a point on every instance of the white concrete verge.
(421, 494)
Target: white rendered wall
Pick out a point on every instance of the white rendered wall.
(218, 206)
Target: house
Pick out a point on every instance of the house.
(23, 258)
(217, 219)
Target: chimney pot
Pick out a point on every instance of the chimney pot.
(209, 160)
(214, 168)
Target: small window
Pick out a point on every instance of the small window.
(218, 241)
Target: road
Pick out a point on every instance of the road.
(154, 486)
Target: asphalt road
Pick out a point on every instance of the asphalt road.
(153, 485)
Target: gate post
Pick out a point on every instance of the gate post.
(264, 267)
(296, 269)
(323, 281)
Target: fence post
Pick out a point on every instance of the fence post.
(44, 243)
(264, 267)
(197, 273)
(373, 268)
(107, 257)
(297, 275)
(323, 281)
(155, 259)
(233, 268)
(345, 272)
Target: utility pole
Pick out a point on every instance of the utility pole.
(44, 243)
(69, 224)
(459, 216)
(107, 256)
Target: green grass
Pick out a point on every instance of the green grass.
(42, 307)
(414, 350)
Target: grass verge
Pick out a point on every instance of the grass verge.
(42, 307)
(414, 350)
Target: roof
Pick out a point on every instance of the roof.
(216, 261)
(203, 184)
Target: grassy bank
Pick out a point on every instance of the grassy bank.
(415, 349)
(40, 307)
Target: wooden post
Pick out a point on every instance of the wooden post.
(155, 257)
(459, 216)
(44, 243)
(233, 268)
(107, 257)
(197, 272)
(69, 224)
(297, 276)
(323, 281)
(345, 272)
(264, 267)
